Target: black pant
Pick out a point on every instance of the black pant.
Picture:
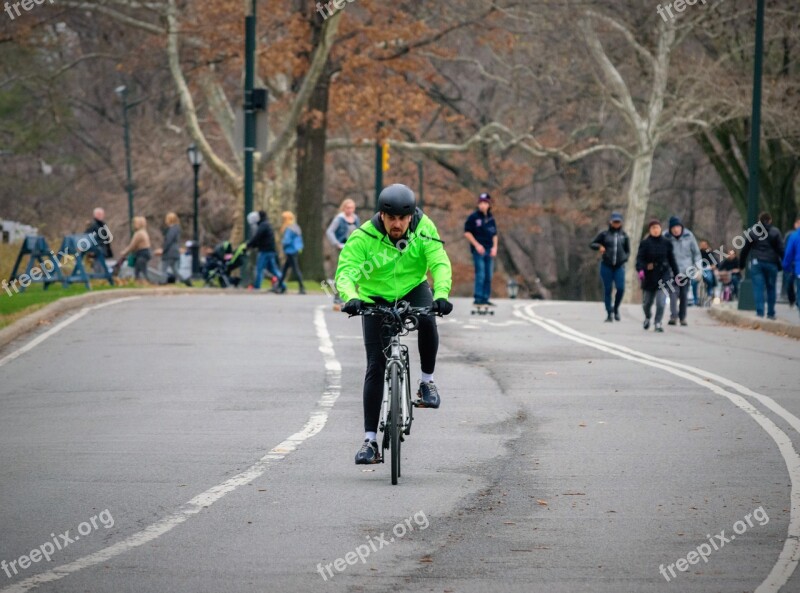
(376, 340)
(678, 295)
(142, 257)
(291, 260)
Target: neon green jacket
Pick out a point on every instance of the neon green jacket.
(370, 265)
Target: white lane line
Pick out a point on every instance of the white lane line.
(767, 401)
(790, 554)
(57, 328)
(316, 422)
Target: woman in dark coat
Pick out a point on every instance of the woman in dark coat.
(656, 265)
(614, 247)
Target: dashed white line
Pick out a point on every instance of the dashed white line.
(316, 422)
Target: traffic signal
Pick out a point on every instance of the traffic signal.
(385, 156)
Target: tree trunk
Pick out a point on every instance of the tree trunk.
(311, 139)
(638, 198)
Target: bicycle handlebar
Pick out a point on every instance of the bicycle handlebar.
(402, 315)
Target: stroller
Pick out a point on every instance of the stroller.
(221, 262)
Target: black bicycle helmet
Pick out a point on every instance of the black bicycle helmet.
(397, 199)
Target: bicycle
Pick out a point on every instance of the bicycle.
(397, 412)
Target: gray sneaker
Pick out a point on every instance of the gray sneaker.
(368, 453)
(428, 395)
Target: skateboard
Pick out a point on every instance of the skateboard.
(482, 310)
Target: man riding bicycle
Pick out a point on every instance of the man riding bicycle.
(384, 261)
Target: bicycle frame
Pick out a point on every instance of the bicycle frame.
(398, 357)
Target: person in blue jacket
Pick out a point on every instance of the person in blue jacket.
(292, 242)
(481, 232)
(791, 262)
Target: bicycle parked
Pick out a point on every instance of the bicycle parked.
(397, 408)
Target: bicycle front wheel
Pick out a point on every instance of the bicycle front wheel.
(395, 422)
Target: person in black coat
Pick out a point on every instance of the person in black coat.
(615, 248)
(264, 241)
(95, 229)
(656, 265)
(765, 248)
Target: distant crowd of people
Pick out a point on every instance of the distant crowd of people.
(672, 263)
(139, 250)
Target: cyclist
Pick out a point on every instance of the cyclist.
(384, 261)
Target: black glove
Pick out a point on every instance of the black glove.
(442, 307)
(353, 307)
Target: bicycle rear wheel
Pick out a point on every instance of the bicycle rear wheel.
(395, 423)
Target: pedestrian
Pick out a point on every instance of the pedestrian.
(340, 228)
(480, 230)
(615, 248)
(766, 252)
(171, 253)
(656, 265)
(292, 242)
(788, 274)
(139, 247)
(791, 261)
(729, 275)
(98, 222)
(687, 256)
(708, 263)
(264, 241)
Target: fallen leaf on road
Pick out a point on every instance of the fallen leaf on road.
(582, 425)
(551, 373)
(426, 559)
(508, 523)
(542, 502)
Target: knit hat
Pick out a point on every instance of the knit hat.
(653, 222)
(484, 197)
(616, 217)
(674, 221)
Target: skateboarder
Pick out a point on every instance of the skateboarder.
(481, 232)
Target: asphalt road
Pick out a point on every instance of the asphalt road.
(205, 444)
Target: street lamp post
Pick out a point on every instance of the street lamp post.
(746, 289)
(195, 160)
(122, 92)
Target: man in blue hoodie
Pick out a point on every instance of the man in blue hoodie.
(687, 256)
(791, 260)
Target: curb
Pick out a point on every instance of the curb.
(47, 314)
(780, 328)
